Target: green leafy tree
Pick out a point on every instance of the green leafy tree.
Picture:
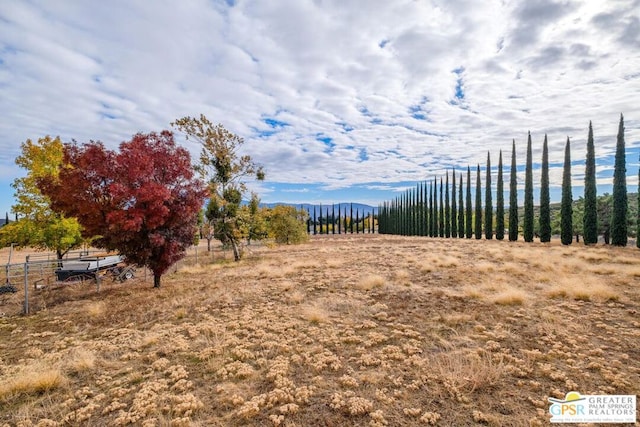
(513, 197)
(225, 169)
(478, 210)
(39, 226)
(605, 211)
(619, 216)
(576, 219)
(258, 227)
(468, 216)
(500, 201)
(287, 225)
(488, 203)
(528, 195)
(590, 218)
(566, 206)
(545, 209)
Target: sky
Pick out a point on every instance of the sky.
(339, 100)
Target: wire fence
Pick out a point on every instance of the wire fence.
(30, 286)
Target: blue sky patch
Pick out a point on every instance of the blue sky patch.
(274, 124)
(327, 141)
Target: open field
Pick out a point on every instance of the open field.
(345, 330)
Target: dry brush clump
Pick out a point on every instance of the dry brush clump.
(343, 330)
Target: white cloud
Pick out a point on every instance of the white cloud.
(360, 73)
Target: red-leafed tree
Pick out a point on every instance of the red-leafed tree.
(142, 201)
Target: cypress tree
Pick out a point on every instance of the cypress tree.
(430, 210)
(345, 218)
(590, 217)
(500, 201)
(435, 207)
(333, 219)
(410, 211)
(339, 221)
(351, 219)
(441, 217)
(327, 219)
(460, 210)
(545, 209)
(429, 206)
(409, 205)
(357, 221)
(454, 207)
(488, 203)
(619, 216)
(401, 215)
(314, 220)
(528, 195)
(425, 210)
(513, 197)
(566, 207)
(418, 210)
(447, 209)
(638, 214)
(478, 223)
(468, 217)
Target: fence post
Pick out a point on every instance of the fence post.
(26, 288)
(97, 274)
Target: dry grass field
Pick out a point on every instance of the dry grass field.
(342, 331)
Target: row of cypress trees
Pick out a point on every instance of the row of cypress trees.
(419, 211)
(330, 223)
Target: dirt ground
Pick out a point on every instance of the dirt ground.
(341, 331)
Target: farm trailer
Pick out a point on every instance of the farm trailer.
(93, 267)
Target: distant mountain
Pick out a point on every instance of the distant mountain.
(367, 209)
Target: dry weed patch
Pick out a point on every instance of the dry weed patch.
(510, 296)
(580, 288)
(329, 333)
(81, 359)
(34, 378)
(315, 313)
(370, 282)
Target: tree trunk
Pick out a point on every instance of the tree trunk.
(208, 243)
(236, 249)
(156, 280)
